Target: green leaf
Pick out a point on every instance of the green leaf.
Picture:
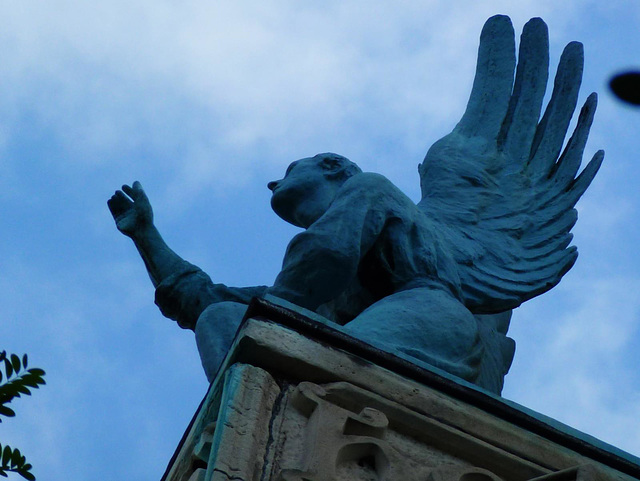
(15, 362)
(36, 371)
(8, 389)
(8, 412)
(23, 389)
(0, 376)
(33, 379)
(27, 475)
(15, 458)
(6, 456)
(8, 368)
(7, 392)
(3, 354)
(29, 380)
(25, 361)
(2, 473)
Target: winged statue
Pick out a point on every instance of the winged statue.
(436, 281)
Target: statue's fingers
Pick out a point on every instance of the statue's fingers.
(127, 189)
(118, 203)
(493, 82)
(567, 167)
(112, 207)
(136, 192)
(530, 85)
(552, 129)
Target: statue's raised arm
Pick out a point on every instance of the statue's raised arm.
(183, 291)
(132, 212)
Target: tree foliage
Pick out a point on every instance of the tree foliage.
(15, 380)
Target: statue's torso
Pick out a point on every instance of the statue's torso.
(406, 252)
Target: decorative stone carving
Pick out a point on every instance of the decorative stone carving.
(198, 475)
(339, 444)
(345, 438)
(578, 473)
(289, 407)
(202, 449)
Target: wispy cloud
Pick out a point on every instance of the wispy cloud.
(204, 103)
(580, 365)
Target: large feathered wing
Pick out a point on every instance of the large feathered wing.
(500, 188)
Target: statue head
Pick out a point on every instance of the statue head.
(309, 186)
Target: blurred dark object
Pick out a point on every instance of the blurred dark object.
(626, 86)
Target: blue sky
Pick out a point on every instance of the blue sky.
(204, 103)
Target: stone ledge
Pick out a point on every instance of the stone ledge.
(296, 355)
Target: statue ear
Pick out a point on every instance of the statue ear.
(334, 168)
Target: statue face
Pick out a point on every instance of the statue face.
(304, 194)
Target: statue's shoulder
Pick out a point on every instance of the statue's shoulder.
(369, 184)
(375, 191)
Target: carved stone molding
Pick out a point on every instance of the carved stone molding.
(286, 407)
(352, 434)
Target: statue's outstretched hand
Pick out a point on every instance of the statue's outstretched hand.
(131, 209)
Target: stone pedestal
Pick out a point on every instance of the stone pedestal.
(299, 401)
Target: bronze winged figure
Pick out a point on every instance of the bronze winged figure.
(436, 281)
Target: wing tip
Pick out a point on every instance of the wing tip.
(535, 26)
(573, 49)
(498, 25)
(590, 171)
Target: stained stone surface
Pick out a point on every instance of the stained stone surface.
(296, 400)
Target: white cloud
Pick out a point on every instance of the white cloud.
(205, 102)
(579, 364)
(121, 79)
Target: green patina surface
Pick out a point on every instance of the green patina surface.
(435, 282)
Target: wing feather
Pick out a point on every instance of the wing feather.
(500, 189)
(569, 163)
(552, 129)
(528, 91)
(492, 85)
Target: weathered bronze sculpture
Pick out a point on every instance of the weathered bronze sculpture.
(435, 281)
